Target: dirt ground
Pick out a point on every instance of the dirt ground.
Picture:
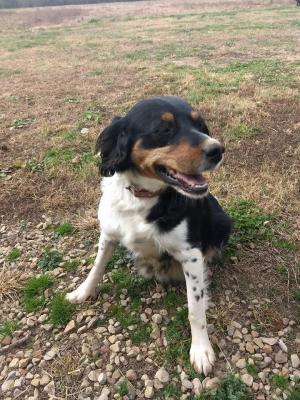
(65, 72)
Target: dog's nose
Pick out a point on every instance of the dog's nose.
(213, 152)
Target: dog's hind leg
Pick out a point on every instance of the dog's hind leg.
(88, 287)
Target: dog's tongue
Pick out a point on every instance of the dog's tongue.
(191, 180)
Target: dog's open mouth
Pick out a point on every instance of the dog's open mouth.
(196, 184)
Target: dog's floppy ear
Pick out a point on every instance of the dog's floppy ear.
(113, 144)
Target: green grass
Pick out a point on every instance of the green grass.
(231, 388)
(29, 40)
(296, 295)
(170, 390)
(132, 282)
(13, 255)
(63, 229)
(22, 123)
(294, 394)
(33, 292)
(178, 338)
(249, 222)
(5, 73)
(61, 310)
(34, 165)
(122, 388)
(281, 382)
(7, 328)
(242, 131)
(49, 260)
(71, 265)
(57, 157)
(92, 116)
(252, 370)
(141, 334)
(172, 300)
(122, 316)
(120, 257)
(65, 134)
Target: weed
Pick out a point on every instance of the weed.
(170, 391)
(231, 388)
(123, 388)
(65, 134)
(57, 157)
(33, 292)
(173, 300)
(296, 295)
(49, 260)
(34, 165)
(120, 257)
(106, 287)
(250, 223)
(13, 255)
(294, 393)
(284, 244)
(252, 370)
(61, 310)
(71, 265)
(8, 72)
(91, 116)
(178, 347)
(63, 229)
(141, 334)
(280, 381)
(122, 316)
(72, 100)
(22, 123)
(7, 328)
(242, 131)
(132, 283)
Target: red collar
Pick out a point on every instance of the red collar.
(139, 192)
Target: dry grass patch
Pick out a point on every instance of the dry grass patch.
(11, 282)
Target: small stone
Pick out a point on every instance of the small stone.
(104, 394)
(250, 348)
(157, 318)
(149, 392)
(131, 375)
(197, 386)
(212, 383)
(247, 379)
(281, 358)
(84, 131)
(283, 346)
(70, 326)
(112, 338)
(241, 363)
(93, 375)
(35, 382)
(7, 385)
(14, 363)
(269, 341)
(50, 355)
(258, 342)
(6, 340)
(115, 348)
(44, 380)
(238, 334)
(187, 384)
(162, 375)
(102, 378)
(295, 361)
(50, 388)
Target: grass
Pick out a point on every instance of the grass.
(281, 382)
(61, 310)
(294, 394)
(49, 260)
(7, 328)
(122, 388)
(65, 134)
(170, 390)
(122, 316)
(64, 229)
(250, 223)
(252, 370)
(22, 123)
(242, 131)
(71, 265)
(120, 257)
(133, 283)
(141, 334)
(231, 388)
(13, 255)
(33, 292)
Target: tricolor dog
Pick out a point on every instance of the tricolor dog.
(156, 203)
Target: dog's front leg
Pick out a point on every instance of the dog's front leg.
(201, 353)
(88, 287)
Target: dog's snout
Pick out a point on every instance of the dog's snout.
(214, 152)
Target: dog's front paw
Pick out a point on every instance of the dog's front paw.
(80, 294)
(202, 358)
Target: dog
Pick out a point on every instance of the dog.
(156, 203)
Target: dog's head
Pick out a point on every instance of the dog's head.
(164, 139)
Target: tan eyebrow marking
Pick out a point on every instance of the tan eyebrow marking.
(195, 115)
(167, 117)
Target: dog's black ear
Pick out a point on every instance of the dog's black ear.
(113, 144)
